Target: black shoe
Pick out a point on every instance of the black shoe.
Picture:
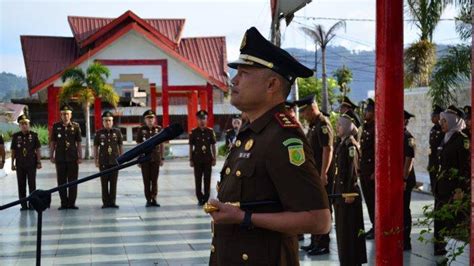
(300, 237)
(201, 203)
(73, 207)
(154, 203)
(23, 208)
(105, 206)
(62, 208)
(115, 206)
(308, 247)
(148, 204)
(370, 234)
(318, 251)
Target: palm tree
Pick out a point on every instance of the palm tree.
(85, 87)
(420, 57)
(453, 70)
(323, 38)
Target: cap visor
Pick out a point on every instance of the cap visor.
(238, 62)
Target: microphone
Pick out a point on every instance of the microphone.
(168, 133)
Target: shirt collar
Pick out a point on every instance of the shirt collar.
(260, 123)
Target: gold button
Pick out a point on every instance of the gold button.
(238, 173)
(245, 256)
(238, 143)
(213, 248)
(227, 171)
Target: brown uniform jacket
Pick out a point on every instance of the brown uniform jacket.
(454, 166)
(66, 138)
(320, 135)
(409, 151)
(108, 143)
(367, 150)
(25, 146)
(201, 142)
(144, 133)
(270, 160)
(436, 137)
(347, 156)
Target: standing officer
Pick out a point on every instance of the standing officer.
(270, 161)
(320, 136)
(151, 169)
(348, 211)
(347, 105)
(409, 180)
(436, 136)
(26, 158)
(367, 163)
(202, 152)
(107, 147)
(2, 152)
(454, 173)
(231, 134)
(66, 153)
(467, 120)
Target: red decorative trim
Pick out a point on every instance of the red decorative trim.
(116, 22)
(98, 113)
(132, 62)
(153, 96)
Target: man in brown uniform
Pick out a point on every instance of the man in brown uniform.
(270, 161)
(66, 153)
(367, 163)
(231, 133)
(436, 137)
(202, 153)
(320, 136)
(409, 179)
(2, 152)
(26, 158)
(107, 147)
(151, 169)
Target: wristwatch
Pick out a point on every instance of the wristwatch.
(247, 222)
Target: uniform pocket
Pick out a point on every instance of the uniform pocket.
(246, 172)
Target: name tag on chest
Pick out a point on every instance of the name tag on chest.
(244, 155)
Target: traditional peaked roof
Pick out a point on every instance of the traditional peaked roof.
(47, 57)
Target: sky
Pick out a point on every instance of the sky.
(229, 18)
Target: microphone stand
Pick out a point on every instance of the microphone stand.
(41, 199)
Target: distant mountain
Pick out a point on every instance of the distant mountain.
(12, 86)
(361, 63)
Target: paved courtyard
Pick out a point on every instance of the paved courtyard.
(178, 233)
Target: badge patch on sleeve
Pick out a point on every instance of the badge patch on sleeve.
(295, 151)
(325, 129)
(352, 151)
(466, 144)
(411, 142)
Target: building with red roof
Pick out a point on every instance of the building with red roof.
(149, 54)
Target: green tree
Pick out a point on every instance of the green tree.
(307, 86)
(453, 70)
(322, 38)
(343, 77)
(85, 86)
(420, 57)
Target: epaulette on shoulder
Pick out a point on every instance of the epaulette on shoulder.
(75, 124)
(286, 121)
